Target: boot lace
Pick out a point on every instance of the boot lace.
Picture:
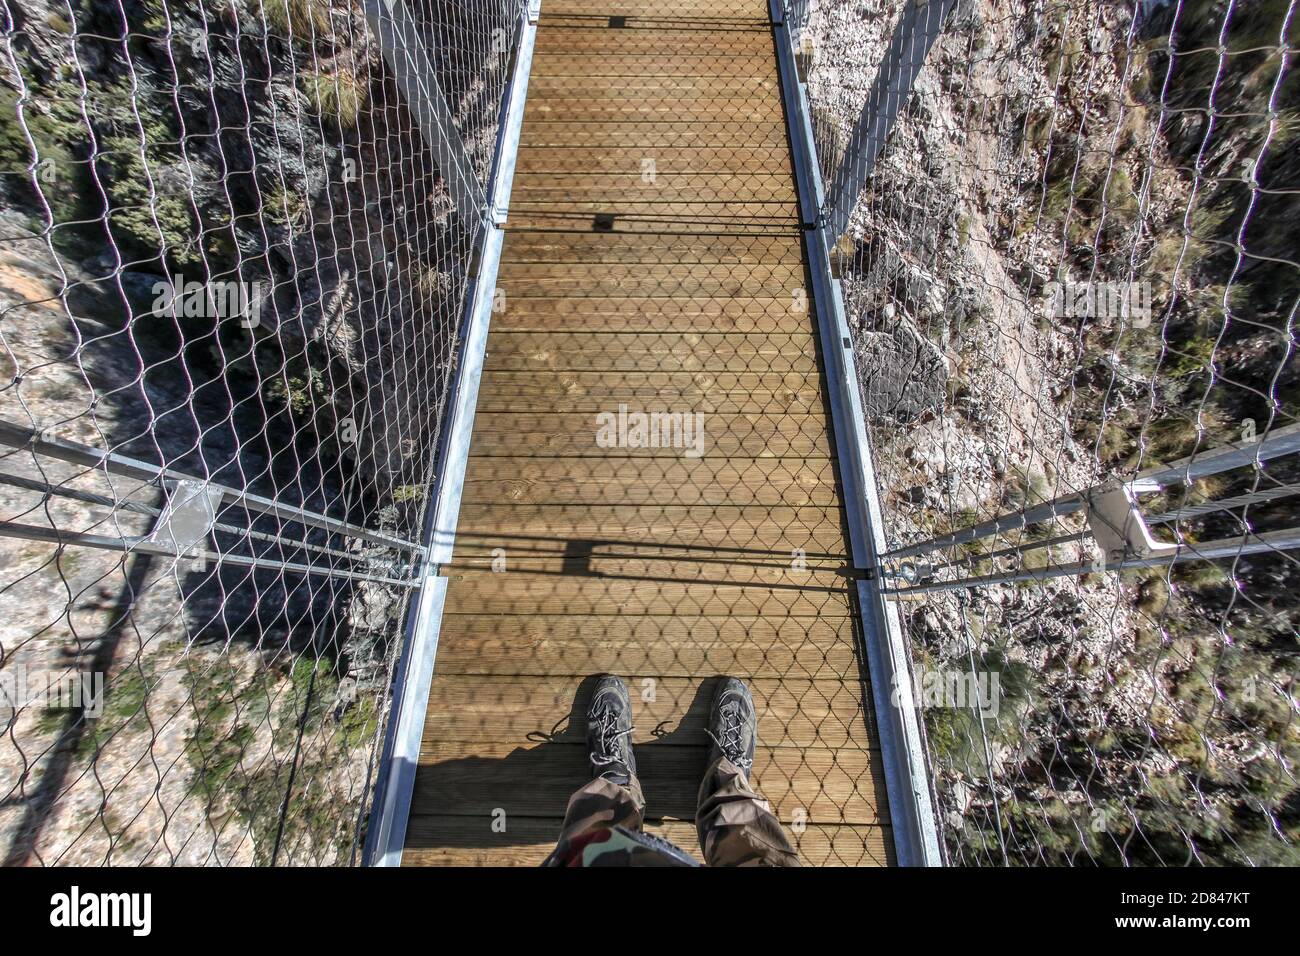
(731, 743)
(608, 737)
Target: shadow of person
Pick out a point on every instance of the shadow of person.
(518, 799)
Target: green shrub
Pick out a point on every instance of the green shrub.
(338, 97)
(305, 19)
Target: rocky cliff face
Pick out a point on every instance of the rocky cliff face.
(255, 143)
(1058, 142)
(242, 141)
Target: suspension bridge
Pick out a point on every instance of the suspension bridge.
(564, 358)
(652, 263)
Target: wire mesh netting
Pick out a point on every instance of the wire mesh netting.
(237, 246)
(232, 271)
(1074, 262)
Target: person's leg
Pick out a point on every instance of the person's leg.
(735, 825)
(602, 803)
(613, 796)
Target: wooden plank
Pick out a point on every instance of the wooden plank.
(690, 90)
(681, 646)
(722, 435)
(817, 785)
(659, 109)
(651, 64)
(724, 532)
(724, 392)
(754, 90)
(664, 32)
(518, 592)
(727, 348)
(557, 218)
(651, 13)
(669, 351)
(660, 215)
(659, 14)
(657, 525)
(633, 188)
(745, 482)
(656, 316)
(792, 713)
(795, 559)
(649, 565)
(671, 162)
(735, 41)
(686, 11)
(654, 135)
(652, 280)
(720, 556)
(434, 840)
(653, 351)
(698, 314)
(648, 183)
(524, 246)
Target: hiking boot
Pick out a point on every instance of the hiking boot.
(733, 725)
(609, 731)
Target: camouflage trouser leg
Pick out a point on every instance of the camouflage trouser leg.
(603, 803)
(736, 826)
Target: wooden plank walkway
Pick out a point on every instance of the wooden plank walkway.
(652, 261)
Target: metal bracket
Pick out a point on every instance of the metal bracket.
(910, 572)
(188, 517)
(1116, 521)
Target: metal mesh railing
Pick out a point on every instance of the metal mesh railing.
(235, 245)
(1072, 265)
